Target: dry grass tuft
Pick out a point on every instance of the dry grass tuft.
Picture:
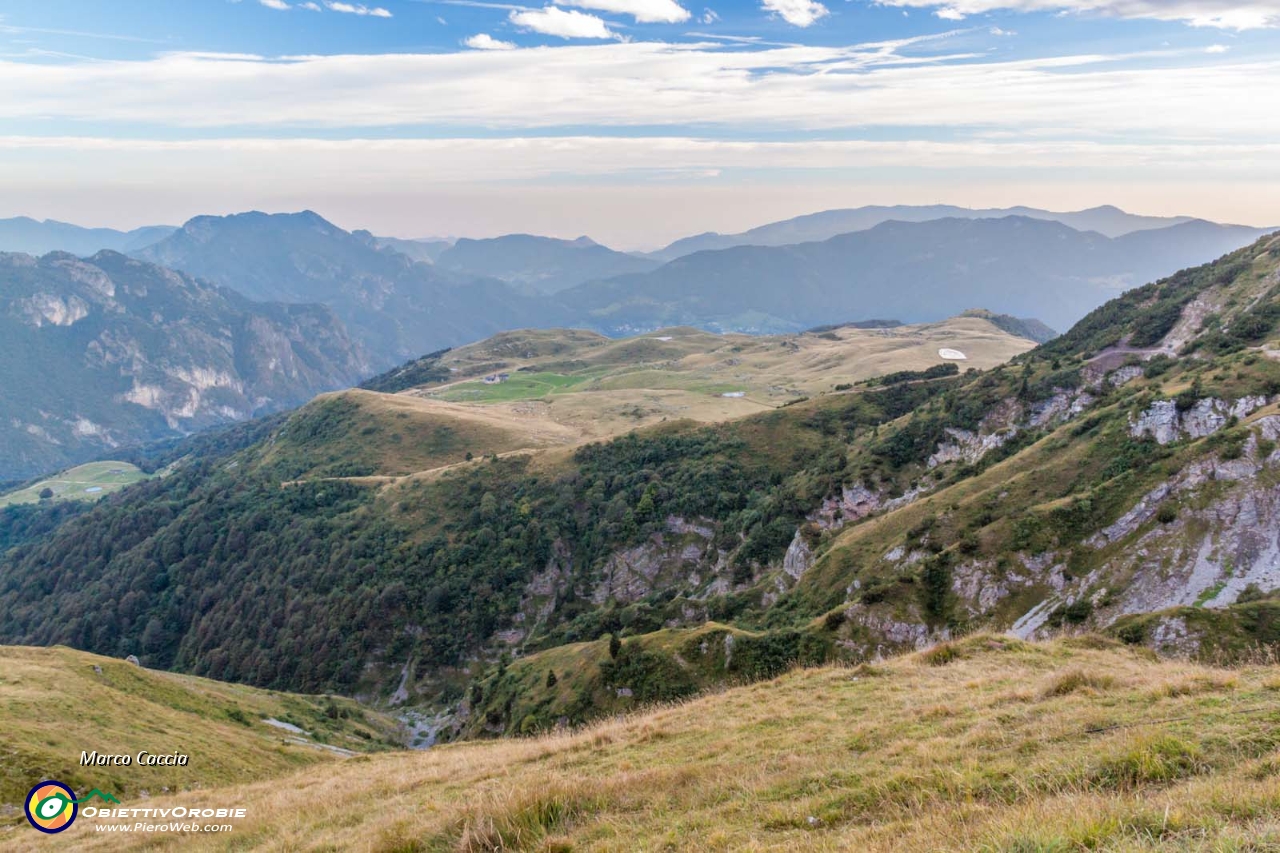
(1210, 682)
(941, 654)
(527, 819)
(1076, 680)
(1149, 759)
(866, 670)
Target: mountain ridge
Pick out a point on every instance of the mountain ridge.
(396, 307)
(1107, 220)
(546, 264)
(914, 272)
(34, 237)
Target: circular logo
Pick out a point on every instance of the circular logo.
(51, 807)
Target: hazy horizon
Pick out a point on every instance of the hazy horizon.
(358, 217)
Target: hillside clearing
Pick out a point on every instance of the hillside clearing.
(84, 482)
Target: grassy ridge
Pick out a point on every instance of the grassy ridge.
(985, 744)
(56, 703)
(773, 369)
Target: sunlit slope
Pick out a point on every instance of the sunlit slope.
(363, 433)
(564, 387)
(771, 369)
(986, 744)
(56, 703)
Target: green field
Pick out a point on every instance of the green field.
(521, 386)
(84, 482)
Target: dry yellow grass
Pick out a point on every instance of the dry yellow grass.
(57, 702)
(771, 369)
(985, 751)
(596, 388)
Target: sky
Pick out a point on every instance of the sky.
(633, 121)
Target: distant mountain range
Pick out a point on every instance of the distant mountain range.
(112, 351)
(32, 237)
(420, 250)
(544, 264)
(396, 307)
(1107, 220)
(909, 271)
(138, 351)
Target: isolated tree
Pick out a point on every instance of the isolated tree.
(645, 509)
(46, 493)
(615, 646)
(551, 679)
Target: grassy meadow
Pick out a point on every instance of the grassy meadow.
(984, 744)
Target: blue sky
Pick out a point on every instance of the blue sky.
(634, 120)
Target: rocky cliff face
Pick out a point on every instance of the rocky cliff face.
(110, 351)
(1166, 422)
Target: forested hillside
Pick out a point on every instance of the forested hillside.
(220, 571)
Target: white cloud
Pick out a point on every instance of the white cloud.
(709, 16)
(387, 161)
(553, 21)
(1226, 14)
(278, 5)
(644, 11)
(799, 13)
(1216, 48)
(358, 9)
(310, 7)
(484, 41)
(1165, 95)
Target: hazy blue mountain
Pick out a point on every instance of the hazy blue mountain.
(545, 264)
(397, 307)
(110, 351)
(912, 272)
(426, 250)
(1107, 220)
(32, 237)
